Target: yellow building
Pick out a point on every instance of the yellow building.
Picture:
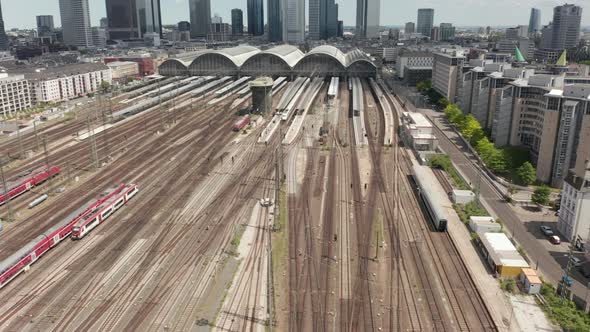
(501, 254)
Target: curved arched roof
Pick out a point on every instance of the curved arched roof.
(357, 55)
(279, 59)
(289, 53)
(238, 55)
(329, 51)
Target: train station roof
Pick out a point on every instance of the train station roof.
(289, 53)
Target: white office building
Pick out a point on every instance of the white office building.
(574, 213)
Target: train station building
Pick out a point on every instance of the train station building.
(283, 60)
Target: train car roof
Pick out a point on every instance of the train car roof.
(22, 252)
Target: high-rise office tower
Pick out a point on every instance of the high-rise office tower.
(535, 20)
(75, 22)
(149, 17)
(3, 37)
(410, 28)
(367, 18)
(315, 14)
(275, 20)
(331, 19)
(425, 21)
(45, 25)
(122, 19)
(200, 14)
(447, 31)
(130, 19)
(184, 26)
(294, 21)
(255, 17)
(237, 22)
(566, 26)
(323, 19)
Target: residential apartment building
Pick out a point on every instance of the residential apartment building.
(445, 70)
(67, 82)
(15, 95)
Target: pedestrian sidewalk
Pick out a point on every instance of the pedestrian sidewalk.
(487, 285)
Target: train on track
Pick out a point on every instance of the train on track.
(241, 123)
(432, 195)
(23, 182)
(77, 223)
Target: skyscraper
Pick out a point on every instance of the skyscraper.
(315, 14)
(184, 26)
(3, 37)
(331, 19)
(131, 19)
(237, 22)
(75, 22)
(200, 14)
(367, 18)
(425, 21)
(535, 20)
(566, 26)
(294, 21)
(255, 17)
(122, 19)
(275, 20)
(149, 17)
(410, 28)
(447, 31)
(45, 25)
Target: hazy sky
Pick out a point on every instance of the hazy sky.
(21, 13)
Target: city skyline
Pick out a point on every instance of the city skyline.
(19, 14)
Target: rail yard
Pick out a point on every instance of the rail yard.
(162, 208)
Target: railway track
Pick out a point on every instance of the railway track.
(114, 320)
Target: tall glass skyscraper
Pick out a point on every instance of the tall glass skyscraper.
(75, 22)
(149, 17)
(200, 14)
(130, 19)
(566, 26)
(535, 20)
(237, 22)
(294, 21)
(425, 21)
(3, 37)
(255, 17)
(275, 20)
(367, 18)
(122, 19)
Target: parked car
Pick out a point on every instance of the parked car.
(577, 261)
(554, 239)
(547, 231)
(584, 270)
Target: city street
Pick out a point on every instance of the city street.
(525, 233)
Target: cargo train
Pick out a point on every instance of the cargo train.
(78, 224)
(23, 182)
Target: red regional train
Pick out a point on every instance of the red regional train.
(240, 124)
(77, 224)
(25, 181)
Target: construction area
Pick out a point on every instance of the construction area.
(297, 213)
